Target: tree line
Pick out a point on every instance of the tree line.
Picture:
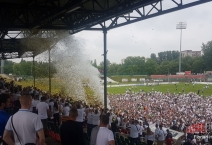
(167, 62)
(25, 68)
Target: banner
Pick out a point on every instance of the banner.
(124, 80)
(134, 80)
(196, 128)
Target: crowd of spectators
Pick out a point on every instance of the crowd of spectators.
(130, 113)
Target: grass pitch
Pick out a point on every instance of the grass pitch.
(164, 88)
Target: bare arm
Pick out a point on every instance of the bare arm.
(112, 142)
(7, 137)
(41, 137)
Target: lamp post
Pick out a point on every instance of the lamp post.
(181, 25)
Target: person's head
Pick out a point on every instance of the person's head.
(78, 106)
(66, 104)
(26, 101)
(132, 121)
(148, 130)
(43, 99)
(104, 120)
(73, 114)
(160, 126)
(56, 105)
(167, 130)
(36, 97)
(156, 125)
(136, 122)
(96, 111)
(4, 101)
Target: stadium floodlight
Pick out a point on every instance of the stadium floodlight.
(181, 25)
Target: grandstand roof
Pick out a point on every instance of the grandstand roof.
(19, 16)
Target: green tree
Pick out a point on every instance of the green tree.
(151, 67)
(153, 56)
(207, 55)
(8, 67)
(94, 63)
(101, 65)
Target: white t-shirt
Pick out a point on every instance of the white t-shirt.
(42, 110)
(104, 136)
(157, 131)
(80, 115)
(95, 119)
(66, 111)
(26, 128)
(90, 118)
(35, 102)
(162, 135)
(141, 129)
(119, 121)
(133, 131)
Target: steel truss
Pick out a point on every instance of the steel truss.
(135, 11)
(78, 15)
(11, 46)
(30, 18)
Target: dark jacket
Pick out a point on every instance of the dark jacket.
(71, 133)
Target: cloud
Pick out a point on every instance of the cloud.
(152, 35)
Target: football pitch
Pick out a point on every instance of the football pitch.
(163, 88)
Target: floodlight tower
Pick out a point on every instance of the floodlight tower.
(181, 25)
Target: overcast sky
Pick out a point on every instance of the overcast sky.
(152, 35)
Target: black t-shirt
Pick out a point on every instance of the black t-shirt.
(71, 133)
(187, 143)
(113, 126)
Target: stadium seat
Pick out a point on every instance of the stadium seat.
(57, 136)
(122, 138)
(127, 140)
(52, 134)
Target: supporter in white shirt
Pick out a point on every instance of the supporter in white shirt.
(35, 101)
(89, 121)
(80, 114)
(133, 132)
(66, 110)
(150, 136)
(157, 132)
(25, 124)
(119, 121)
(162, 135)
(42, 109)
(104, 135)
(95, 118)
(51, 105)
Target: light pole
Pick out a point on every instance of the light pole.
(181, 25)
(168, 74)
